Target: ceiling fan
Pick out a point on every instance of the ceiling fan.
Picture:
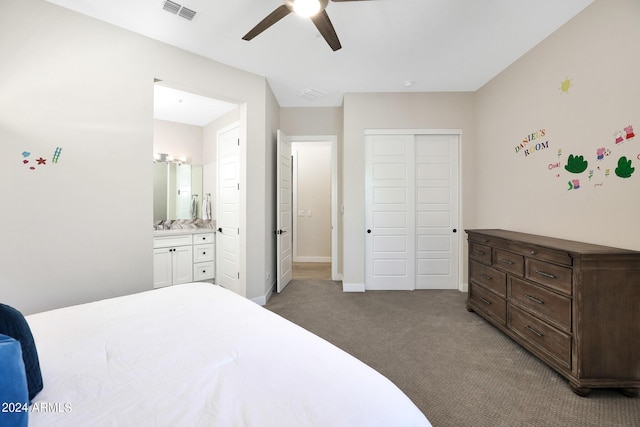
(314, 9)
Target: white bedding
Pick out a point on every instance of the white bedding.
(200, 355)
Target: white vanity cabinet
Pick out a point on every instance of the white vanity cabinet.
(204, 256)
(172, 260)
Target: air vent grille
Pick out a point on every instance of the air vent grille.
(171, 7)
(311, 94)
(177, 9)
(187, 13)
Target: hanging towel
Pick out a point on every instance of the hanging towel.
(206, 208)
(194, 207)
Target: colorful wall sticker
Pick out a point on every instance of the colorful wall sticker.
(40, 161)
(629, 132)
(576, 164)
(624, 169)
(56, 154)
(565, 85)
(574, 184)
(532, 143)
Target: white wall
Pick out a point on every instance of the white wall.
(80, 230)
(597, 51)
(312, 201)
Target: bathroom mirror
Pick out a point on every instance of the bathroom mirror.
(177, 191)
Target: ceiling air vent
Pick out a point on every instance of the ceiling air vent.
(187, 13)
(170, 6)
(177, 9)
(311, 94)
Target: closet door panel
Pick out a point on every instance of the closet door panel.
(390, 213)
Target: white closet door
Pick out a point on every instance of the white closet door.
(411, 202)
(390, 212)
(436, 162)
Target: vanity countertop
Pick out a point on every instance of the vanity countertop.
(178, 231)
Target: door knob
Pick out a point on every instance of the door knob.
(369, 231)
(220, 230)
(454, 230)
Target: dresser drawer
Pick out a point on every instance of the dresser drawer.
(548, 305)
(203, 253)
(480, 252)
(509, 261)
(203, 271)
(541, 335)
(489, 303)
(544, 254)
(200, 238)
(487, 240)
(488, 277)
(551, 275)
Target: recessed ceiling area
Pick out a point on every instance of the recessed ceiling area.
(183, 107)
(439, 45)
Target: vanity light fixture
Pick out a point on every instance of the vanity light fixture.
(169, 158)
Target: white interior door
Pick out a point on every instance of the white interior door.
(411, 204)
(227, 211)
(390, 212)
(436, 162)
(284, 214)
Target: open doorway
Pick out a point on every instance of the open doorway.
(313, 205)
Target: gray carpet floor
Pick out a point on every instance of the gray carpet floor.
(459, 370)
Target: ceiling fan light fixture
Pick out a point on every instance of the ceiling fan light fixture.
(306, 8)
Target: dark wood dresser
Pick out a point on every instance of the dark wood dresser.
(574, 305)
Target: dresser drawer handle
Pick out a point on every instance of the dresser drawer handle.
(536, 300)
(506, 261)
(479, 252)
(486, 301)
(540, 334)
(548, 275)
(484, 276)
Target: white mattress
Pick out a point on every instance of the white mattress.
(200, 355)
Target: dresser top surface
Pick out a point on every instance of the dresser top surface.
(570, 246)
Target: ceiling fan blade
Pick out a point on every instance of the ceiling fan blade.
(324, 25)
(271, 19)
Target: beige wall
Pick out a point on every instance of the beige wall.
(403, 111)
(87, 87)
(597, 51)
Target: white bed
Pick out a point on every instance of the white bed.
(200, 355)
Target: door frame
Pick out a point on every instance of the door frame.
(458, 132)
(333, 140)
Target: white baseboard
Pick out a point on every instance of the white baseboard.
(312, 259)
(352, 287)
(262, 300)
